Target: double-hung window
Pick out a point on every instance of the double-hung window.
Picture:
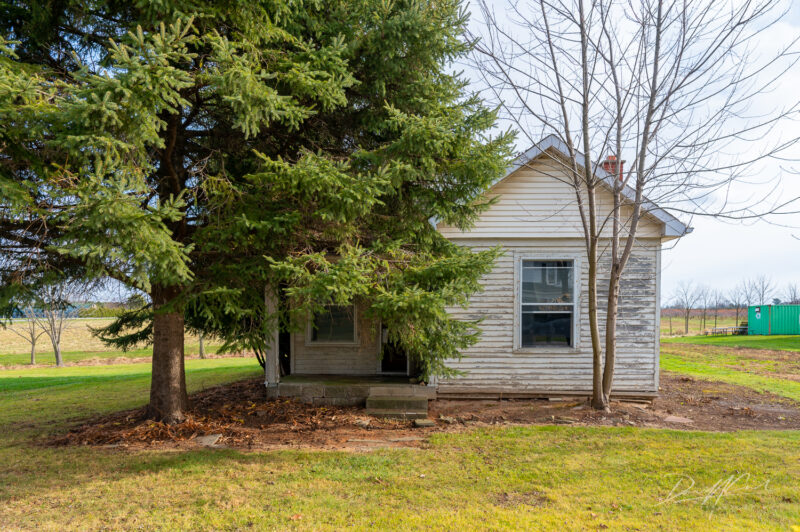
(335, 324)
(547, 303)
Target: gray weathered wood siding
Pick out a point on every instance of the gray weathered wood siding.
(495, 366)
(360, 358)
(536, 202)
(535, 216)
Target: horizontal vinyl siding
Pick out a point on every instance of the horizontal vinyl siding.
(535, 202)
(492, 364)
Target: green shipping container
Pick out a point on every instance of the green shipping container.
(773, 319)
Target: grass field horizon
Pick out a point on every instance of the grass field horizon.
(76, 338)
(773, 343)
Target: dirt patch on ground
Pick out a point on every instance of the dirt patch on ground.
(239, 416)
(685, 403)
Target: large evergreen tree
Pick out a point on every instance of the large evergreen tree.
(205, 152)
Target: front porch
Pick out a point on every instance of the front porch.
(383, 395)
(347, 390)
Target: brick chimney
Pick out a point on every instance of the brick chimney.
(613, 167)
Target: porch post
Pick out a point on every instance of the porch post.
(272, 370)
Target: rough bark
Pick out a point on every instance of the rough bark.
(59, 359)
(611, 332)
(168, 397)
(598, 400)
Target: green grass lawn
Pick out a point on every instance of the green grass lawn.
(775, 343)
(717, 370)
(554, 478)
(771, 371)
(46, 357)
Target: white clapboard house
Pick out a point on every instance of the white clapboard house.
(536, 339)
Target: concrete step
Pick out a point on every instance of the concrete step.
(397, 406)
(397, 402)
(397, 414)
(405, 390)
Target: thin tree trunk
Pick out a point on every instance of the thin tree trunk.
(202, 351)
(33, 352)
(57, 350)
(598, 400)
(611, 332)
(168, 398)
(686, 323)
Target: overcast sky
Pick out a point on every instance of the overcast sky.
(720, 254)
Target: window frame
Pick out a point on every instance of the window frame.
(310, 331)
(576, 302)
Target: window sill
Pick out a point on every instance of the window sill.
(545, 350)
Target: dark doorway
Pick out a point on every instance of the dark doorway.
(285, 352)
(394, 359)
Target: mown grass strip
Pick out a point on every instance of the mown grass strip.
(774, 343)
(760, 383)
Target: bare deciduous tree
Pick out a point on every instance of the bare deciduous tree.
(27, 328)
(737, 297)
(718, 300)
(667, 84)
(763, 289)
(705, 297)
(791, 294)
(686, 298)
(55, 304)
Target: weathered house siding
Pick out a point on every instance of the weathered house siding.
(535, 216)
(494, 366)
(536, 202)
(359, 358)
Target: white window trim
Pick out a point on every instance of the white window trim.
(310, 329)
(577, 297)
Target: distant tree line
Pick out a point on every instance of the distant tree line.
(698, 298)
(53, 307)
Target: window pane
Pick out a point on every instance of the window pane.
(547, 329)
(547, 281)
(550, 307)
(335, 324)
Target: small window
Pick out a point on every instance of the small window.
(335, 324)
(547, 303)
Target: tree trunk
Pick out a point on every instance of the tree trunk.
(33, 352)
(611, 331)
(168, 398)
(598, 400)
(57, 351)
(686, 323)
(202, 351)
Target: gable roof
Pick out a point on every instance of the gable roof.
(672, 226)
